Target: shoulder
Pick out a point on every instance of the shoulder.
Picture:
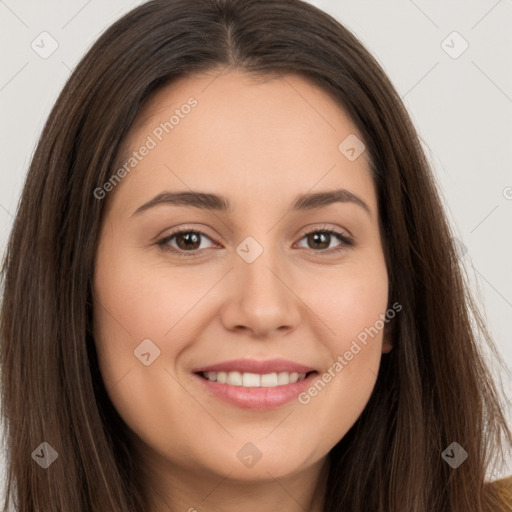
(502, 489)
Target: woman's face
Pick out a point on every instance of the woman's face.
(289, 279)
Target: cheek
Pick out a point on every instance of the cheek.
(348, 300)
(352, 305)
(132, 304)
(136, 301)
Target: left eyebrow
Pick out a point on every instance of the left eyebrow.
(221, 203)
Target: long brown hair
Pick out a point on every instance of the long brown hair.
(433, 388)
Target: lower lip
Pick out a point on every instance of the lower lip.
(259, 398)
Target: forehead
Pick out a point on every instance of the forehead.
(251, 137)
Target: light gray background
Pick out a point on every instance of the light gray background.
(462, 108)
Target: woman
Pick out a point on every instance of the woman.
(230, 284)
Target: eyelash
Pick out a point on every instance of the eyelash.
(163, 242)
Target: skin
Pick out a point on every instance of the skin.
(261, 144)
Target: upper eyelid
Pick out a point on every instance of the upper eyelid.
(327, 228)
(305, 231)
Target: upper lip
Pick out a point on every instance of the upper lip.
(255, 366)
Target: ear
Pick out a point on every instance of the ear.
(386, 348)
(387, 344)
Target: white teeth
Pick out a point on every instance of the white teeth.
(269, 380)
(234, 378)
(254, 380)
(283, 378)
(251, 380)
(294, 377)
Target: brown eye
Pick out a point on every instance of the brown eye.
(186, 241)
(189, 242)
(320, 240)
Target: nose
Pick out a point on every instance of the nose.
(260, 297)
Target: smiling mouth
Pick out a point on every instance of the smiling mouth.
(255, 380)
